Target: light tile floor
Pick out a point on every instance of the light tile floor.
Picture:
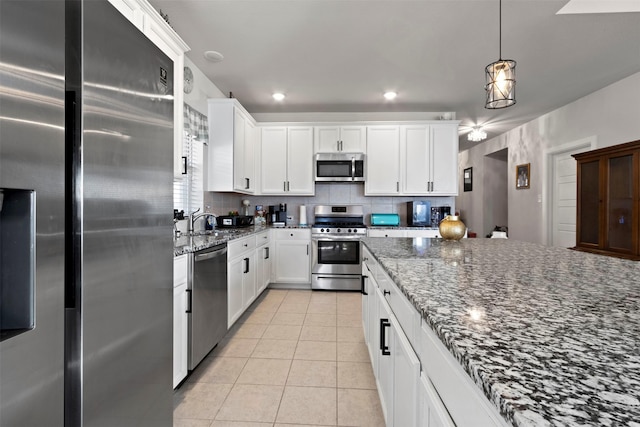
(295, 358)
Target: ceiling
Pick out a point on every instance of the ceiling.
(341, 55)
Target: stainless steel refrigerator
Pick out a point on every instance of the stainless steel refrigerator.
(86, 128)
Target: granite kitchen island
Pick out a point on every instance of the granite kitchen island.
(551, 336)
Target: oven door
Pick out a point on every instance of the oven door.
(336, 255)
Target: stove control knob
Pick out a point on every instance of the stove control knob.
(349, 231)
(322, 230)
(338, 230)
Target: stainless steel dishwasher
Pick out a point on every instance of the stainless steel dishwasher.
(208, 302)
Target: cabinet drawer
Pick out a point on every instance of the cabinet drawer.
(463, 399)
(180, 270)
(293, 234)
(263, 238)
(424, 233)
(240, 246)
(385, 233)
(407, 315)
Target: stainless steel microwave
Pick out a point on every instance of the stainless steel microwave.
(346, 167)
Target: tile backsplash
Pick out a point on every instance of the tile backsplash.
(326, 194)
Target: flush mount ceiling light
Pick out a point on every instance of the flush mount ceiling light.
(278, 96)
(213, 56)
(389, 96)
(500, 77)
(477, 134)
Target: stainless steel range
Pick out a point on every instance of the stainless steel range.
(335, 242)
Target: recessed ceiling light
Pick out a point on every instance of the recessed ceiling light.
(390, 95)
(278, 96)
(213, 56)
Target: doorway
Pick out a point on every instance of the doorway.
(562, 191)
(496, 179)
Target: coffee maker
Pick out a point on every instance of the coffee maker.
(277, 215)
(438, 213)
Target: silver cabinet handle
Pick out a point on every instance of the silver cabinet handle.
(397, 186)
(247, 183)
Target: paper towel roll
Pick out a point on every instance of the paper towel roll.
(303, 215)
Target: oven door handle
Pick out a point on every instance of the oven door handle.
(325, 238)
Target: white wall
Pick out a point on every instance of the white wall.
(203, 89)
(611, 116)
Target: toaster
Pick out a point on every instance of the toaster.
(386, 219)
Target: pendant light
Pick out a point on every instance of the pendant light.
(500, 77)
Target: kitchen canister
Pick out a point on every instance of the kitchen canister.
(452, 228)
(303, 215)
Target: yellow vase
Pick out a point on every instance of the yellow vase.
(451, 228)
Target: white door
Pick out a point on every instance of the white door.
(564, 200)
(563, 191)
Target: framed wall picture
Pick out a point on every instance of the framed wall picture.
(467, 179)
(523, 176)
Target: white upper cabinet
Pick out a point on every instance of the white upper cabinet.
(412, 160)
(286, 159)
(444, 160)
(334, 139)
(230, 164)
(382, 161)
(141, 14)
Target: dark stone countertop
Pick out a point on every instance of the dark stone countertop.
(550, 335)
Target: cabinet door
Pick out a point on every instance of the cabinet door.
(239, 131)
(353, 139)
(621, 207)
(589, 206)
(385, 344)
(273, 153)
(249, 166)
(249, 276)
(443, 162)
(263, 267)
(234, 289)
(433, 413)
(415, 159)
(300, 161)
(383, 161)
(180, 333)
(292, 262)
(327, 139)
(406, 375)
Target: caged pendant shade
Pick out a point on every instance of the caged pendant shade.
(500, 77)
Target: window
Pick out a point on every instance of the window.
(188, 188)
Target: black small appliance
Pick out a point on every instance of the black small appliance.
(438, 213)
(419, 213)
(277, 215)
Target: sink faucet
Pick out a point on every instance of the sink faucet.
(193, 218)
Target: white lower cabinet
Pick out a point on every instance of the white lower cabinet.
(419, 382)
(293, 256)
(263, 260)
(180, 319)
(241, 277)
(432, 411)
(398, 369)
